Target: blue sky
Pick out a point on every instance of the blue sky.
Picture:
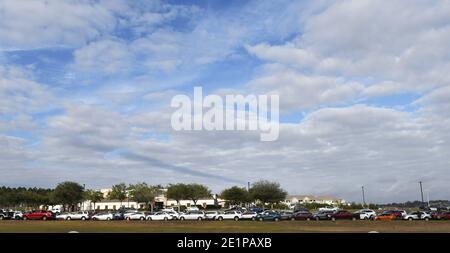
(85, 90)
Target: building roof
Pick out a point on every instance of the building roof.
(313, 197)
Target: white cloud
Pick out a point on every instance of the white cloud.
(302, 92)
(20, 94)
(34, 24)
(394, 47)
(105, 56)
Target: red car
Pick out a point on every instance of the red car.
(344, 215)
(441, 216)
(302, 215)
(38, 215)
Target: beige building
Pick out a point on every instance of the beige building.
(161, 201)
(309, 199)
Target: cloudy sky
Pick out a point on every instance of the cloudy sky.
(364, 86)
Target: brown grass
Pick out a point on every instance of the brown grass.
(223, 227)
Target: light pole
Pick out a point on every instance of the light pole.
(421, 191)
(248, 190)
(363, 196)
(82, 203)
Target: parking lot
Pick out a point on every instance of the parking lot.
(360, 226)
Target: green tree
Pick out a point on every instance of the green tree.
(235, 195)
(94, 196)
(68, 194)
(267, 192)
(119, 192)
(143, 193)
(196, 192)
(177, 192)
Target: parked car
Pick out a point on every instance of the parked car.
(402, 212)
(268, 215)
(386, 216)
(18, 215)
(55, 210)
(38, 215)
(302, 215)
(138, 216)
(123, 214)
(175, 215)
(192, 208)
(103, 216)
(73, 216)
(159, 216)
(257, 209)
(229, 215)
(237, 208)
(248, 215)
(323, 215)
(366, 214)
(286, 215)
(441, 216)
(211, 215)
(328, 209)
(344, 215)
(6, 215)
(417, 215)
(192, 215)
(398, 214)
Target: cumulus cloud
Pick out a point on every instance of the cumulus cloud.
(324, 58)
(34, 24)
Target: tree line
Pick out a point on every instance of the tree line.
(70, 194)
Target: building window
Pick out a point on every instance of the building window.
(132, 206)
(188, 204)
(106, 207)
(114, 207)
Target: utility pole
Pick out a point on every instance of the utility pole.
(248, 190)
(363, 197)
(82, 203)
(421, 191)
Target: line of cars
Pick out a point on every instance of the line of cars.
(232, 214)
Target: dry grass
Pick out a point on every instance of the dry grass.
(224, 226)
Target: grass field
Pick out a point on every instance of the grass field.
(224, 226)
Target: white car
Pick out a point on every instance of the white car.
(328, 209)
(367, 214)
(137, 216)
(404, 213)
(18, 215)
(175, 215)
(192, 208)
(159, 216)
(128, 213)
(229, 215)
(192, 215)
(248, 215)
(73, 216)
(103, 216)
(417, 215)
(211, 215)
(56, 210)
